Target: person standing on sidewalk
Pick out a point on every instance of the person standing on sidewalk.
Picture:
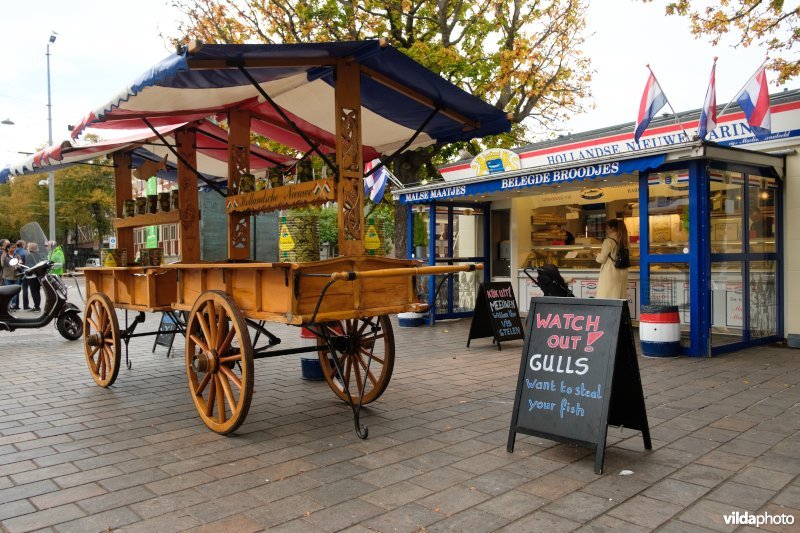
(613, 281)
(10, 274)
(56, 255)
(22, 253)
(33, 283)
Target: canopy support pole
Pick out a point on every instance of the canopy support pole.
(183, 161)
(349, 162)
(187, 195)
(238, 166)
(279, 110)
(123, 191)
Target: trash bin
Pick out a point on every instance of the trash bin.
(660, 330)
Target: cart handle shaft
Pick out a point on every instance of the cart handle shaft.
(412, 271)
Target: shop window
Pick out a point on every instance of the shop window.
(763, 303)
(727, 198)
(501, 243)
(761, 213)
(669, 285)
(727, 302)
(668, 210)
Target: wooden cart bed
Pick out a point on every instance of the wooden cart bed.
(276, 292)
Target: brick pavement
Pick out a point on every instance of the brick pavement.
(75, 457)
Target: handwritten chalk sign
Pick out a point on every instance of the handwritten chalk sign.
(166, 332)
(578, 374)
(496, 314)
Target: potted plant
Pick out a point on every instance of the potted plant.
(420, 236)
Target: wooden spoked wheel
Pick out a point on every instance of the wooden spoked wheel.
(101, 339)
(354, 340)
(219, 362)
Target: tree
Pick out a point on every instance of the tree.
(766, 23)
(85, 197)
(524, 56)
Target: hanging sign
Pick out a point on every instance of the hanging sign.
(307, 193)
(285, 241)
(496, 314)
(578, 373)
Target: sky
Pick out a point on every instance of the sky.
(103, 46)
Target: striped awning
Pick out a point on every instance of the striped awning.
(212, 154)
(398, 95)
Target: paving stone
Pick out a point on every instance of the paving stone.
(106, 521)
(15, 508)
(724, 460)
(645, 511)
(339, 491)
(167, 523)
(579, 506)
(471, 520)
(677, 492)
(116, 499)
(708, 514)
(42, 519)
(551, 486)
(763, 478)
(237, 523)
(441, 478)
(541, 521)
(280, 511)
(609, 524)
(342, 515)
(406, 519)
(497, 482)
(740, 496)
(168, 503)
(380, 477)
(396, 495)
(512, 504)
(282, 488)
(28, 490)
(64, 496)
(453, 499)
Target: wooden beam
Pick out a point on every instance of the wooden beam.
(418, 97)
(149, 219)
(124, 191)
(187, 195)
(218, 64)
(238, 165)
(349, 159)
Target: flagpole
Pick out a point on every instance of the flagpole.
(743, 86)
(678, 122)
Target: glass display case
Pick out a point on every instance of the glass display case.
(572, 257)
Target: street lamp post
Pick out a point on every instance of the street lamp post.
(51, 180)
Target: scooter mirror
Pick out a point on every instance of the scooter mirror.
(14, 261)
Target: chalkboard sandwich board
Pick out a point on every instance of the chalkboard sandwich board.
(496, 314)
(166, 332)
(578, 374)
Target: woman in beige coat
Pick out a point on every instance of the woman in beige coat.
(613, 282)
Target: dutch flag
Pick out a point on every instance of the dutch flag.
(754, 101)
(708, 117)
(375, 183)
(653, 100)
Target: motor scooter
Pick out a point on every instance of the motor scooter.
(56, 306)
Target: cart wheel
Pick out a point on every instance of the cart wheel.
(353, 340)
(219, 362)
(101, 339)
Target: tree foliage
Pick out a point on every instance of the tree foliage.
(767, 23)
(85, 198)
(522, 56)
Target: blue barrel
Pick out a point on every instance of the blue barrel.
(660, 330)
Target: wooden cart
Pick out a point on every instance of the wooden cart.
(344, 301)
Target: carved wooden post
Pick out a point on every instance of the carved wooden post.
(123, 191)
(238, 164)
(187, 196)
(349, 189)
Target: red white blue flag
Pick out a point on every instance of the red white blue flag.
(653, 100)
(754, 101)
(375, 183)
(708, 117)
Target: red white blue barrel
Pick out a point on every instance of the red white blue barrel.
(660, 330)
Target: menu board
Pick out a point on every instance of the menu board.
(578, 374)
(496, 314)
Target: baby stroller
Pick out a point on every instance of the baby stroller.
(550, 281)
